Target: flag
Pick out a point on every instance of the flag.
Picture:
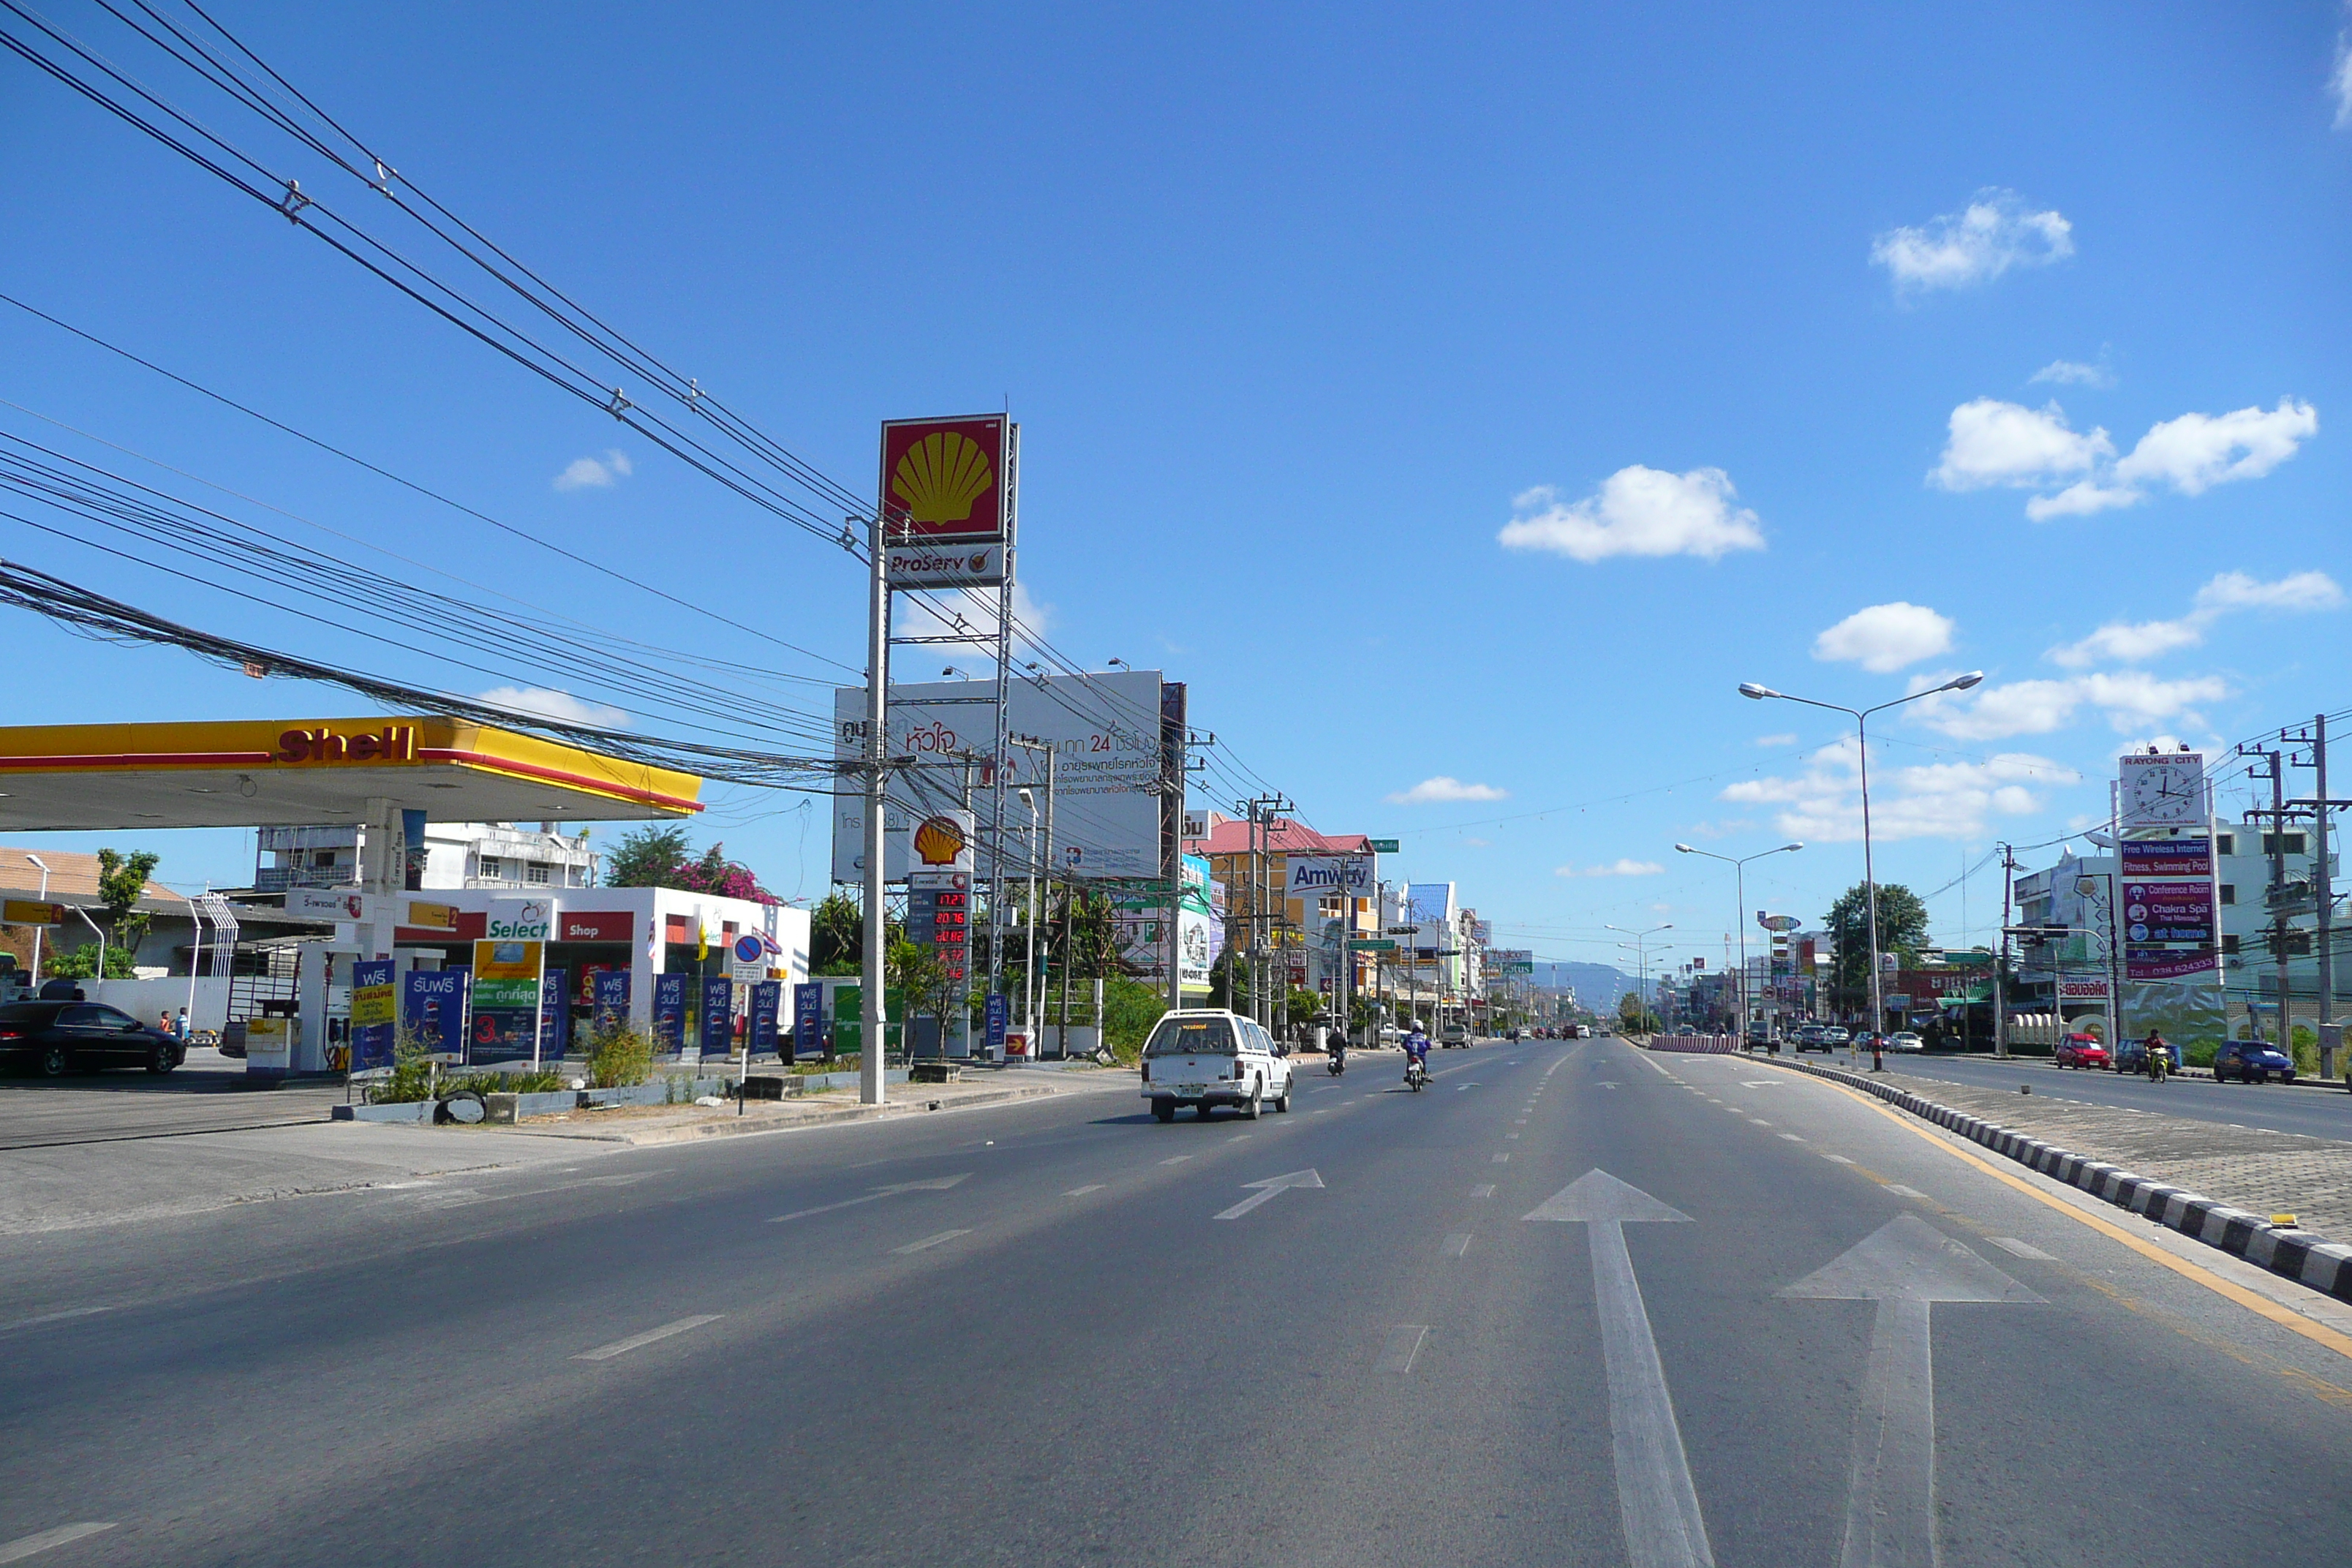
(701, 941)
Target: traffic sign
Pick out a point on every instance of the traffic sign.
(1371, 945)
(1383, 846)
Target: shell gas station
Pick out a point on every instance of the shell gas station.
(388, 777)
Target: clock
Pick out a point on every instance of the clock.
(2164, 790)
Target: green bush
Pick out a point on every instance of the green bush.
(2199, 1053)
(2304, 1046)
(619, 1056)
(1129, 1009)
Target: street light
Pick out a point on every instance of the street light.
(1640, 939)
(1740, 884)
(1861, 717)
(1029, 981)
(36, 860)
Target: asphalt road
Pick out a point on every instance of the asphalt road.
(1058, 1332)
(208, 1093)
(2272, 1107)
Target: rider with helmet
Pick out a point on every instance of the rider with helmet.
(1416, 1047)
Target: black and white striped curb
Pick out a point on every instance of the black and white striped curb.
(2302, 1256)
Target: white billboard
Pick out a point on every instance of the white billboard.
(1314, 876)
(1105, 732)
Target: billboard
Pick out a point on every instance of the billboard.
(1313, 876)
(2161, 789)
(948, 479)
(978, 565)
(1103, 730)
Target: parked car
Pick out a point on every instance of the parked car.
(2082, 1051)
(1905, 1040)
(1207, 1057)
(2251, 1061)
(1833, 1037)
(2132, 1056)
(55, 1039)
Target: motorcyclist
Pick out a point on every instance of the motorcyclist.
(2158, 1058)
(1416, 1047)
(1336, 1045)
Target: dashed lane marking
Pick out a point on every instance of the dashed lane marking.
(927, 1242)
(1502, 1159)
(1839, 1158)
(1793, 1137)
(1483, 1190)
(1082, 1191)
(1900, 1191)
(1456, 1244)
(1177, 1160)
(24, 1546)
(2009, 1244)
(1400, 1349)
(637, 1342)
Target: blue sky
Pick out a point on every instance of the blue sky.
(1461, 396)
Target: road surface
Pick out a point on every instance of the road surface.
(1574, 1304)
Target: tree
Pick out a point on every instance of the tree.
(121, 883)
(836, 936)
(1633, 1017)
(1902, 931)
(647, 857)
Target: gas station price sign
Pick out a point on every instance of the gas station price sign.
(938, 915)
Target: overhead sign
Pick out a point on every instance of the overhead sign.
(1383, 846)
(1312, 876)
(1776, 923)
(974, 565)
(31, 912)
(1105, 732)
(327, 903)
(948, 479)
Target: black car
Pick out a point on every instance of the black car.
(59, 1038)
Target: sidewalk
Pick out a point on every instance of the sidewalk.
(652, 1124)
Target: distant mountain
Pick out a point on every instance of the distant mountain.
(1598, 985)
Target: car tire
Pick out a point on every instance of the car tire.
(1283, 1102)
(1165, 1110)
(1207, 1111)
(1250, 1111)
(2286, 1078)
(55, 1062)
(161, 1059)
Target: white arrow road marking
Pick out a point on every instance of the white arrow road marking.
(1655, 1496)
(1267, 1189)
(936, 1185)
(1399, 1349)
(1905, 1265)
(24, 1546)
(635, 1342)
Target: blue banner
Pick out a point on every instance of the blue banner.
(611, 1000)
(808, 1019)
(433, 1006)
(999, 1015)
(554, 1016)
(715, 1029)
(373, 1024)
(669, 1014)
(767, 1001)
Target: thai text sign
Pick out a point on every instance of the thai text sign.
(372, 1015)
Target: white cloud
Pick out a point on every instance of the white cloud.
(546, 702)
(968, 614)
(2197, 452)
(1997, 443)
(2126, 698)
(1940, 800)
(2122, 642)
(1443, 788)
(1883, 638)
(1615, 869)
(1976, 245)
(1787, 738)
(2075, 373)
(591, 474)
(1637, 511)
(2339, 81)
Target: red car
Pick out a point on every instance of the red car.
(2082, 1051)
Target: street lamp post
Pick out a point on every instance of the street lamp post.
(36, 860)
(1641, 949)
(1861, 717)
(1740, 884)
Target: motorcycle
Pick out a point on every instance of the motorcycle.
(1416, 1073)
(2159, 1064)
(1339, 1062)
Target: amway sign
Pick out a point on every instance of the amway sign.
(1312, 876)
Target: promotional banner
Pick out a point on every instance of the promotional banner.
(433, 1008)
(669, 1014)
(767, 1001)
(373, 1015)
(554, 1017)
(715, 1020)
(1106, 740)
(504, 1024)
(611, 998)
(999, 1018)
(808, 1019)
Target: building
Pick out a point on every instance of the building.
(454, 855)
(1299, 940)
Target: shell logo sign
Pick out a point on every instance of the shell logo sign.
(946, 479)
(941, 841)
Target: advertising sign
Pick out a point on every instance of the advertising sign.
(1776, 923)
(610, 1000)
(1106, 737)
(372, 1015)
(424, 916)
(1000, 1017)
(2167, 857)
(1312, 876)
(518, 919)
(808, 1019)
(326, 903)
(29, 913)
(508, 979)
(938, 915)
(920, 566)
(554, 1016)
(268, 1045)
(669, 1014)
(715, 1022)
(1383, 846)
(2169, 914)
(948, 479)
(767, 1001)
(433, 1008)
(2093, 989)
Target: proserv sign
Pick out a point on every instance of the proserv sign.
(949, 479)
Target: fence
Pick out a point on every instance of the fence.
(1697, 1045)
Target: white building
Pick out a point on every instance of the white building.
(458, 855)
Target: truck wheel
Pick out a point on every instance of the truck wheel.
(1207, 1111)
(1165, 1110)
(1283, 1104)
(1250, 1111)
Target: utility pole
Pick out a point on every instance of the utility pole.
(2000, 958)
(872, 1008)
(2322, 893)
(2273, 767)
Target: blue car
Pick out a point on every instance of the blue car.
(2251, 1061)
(2132, 1056)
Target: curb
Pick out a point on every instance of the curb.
(2304, 1257)
(690, 1133)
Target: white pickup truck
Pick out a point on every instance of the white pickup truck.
(1206, 1057)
